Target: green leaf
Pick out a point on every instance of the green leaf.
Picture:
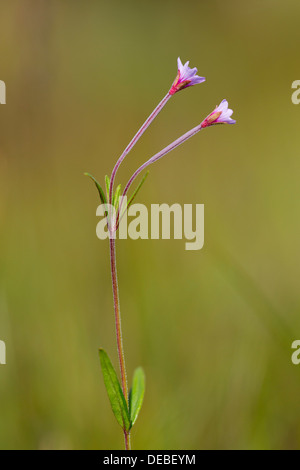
(138, 188)
(107, 184)
(136, 394)
(100, 190)
(115, 394)
(117, 197)
(130, 201)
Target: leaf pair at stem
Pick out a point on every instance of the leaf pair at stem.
(126, 414)
(116, 196)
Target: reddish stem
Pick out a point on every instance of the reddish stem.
(114, 278)
(139, 133)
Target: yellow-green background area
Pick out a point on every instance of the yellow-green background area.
(212, 328)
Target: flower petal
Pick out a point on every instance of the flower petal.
(186, 77)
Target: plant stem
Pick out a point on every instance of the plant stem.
(114, 278)
(139, 133)
(156, 157)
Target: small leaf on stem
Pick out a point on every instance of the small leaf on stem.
(101, 194)
(107, 184)
(130, 201)
(100, 190)
(136, 394)
(114, 391)
(138, 188)
(117, 197)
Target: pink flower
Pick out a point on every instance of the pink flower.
(221, 115)
(185, 77)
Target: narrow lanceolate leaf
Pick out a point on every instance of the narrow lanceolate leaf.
(117, 197)
(114, 391)
(130, 201)
(100, 190)
(137, 189)
(136, 394)
(107, 184)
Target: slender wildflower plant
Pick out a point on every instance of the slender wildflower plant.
(126, 405)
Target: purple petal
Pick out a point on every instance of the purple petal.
(179, 64)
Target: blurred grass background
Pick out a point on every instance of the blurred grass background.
(212, 328)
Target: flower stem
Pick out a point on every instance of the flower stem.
(114, 278)
(156, 157)
(139, 133)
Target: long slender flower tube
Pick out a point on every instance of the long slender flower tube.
(186, 77)
(221, 115)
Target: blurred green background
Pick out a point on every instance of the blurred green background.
(212, 328)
